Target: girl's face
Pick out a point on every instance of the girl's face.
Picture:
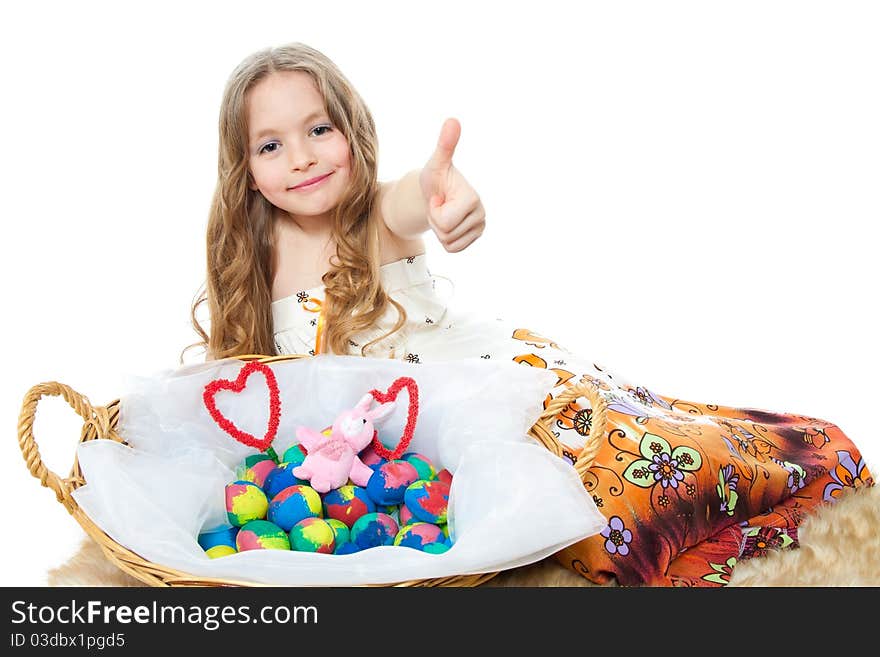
(292, 141)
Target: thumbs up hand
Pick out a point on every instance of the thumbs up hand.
(455, 212)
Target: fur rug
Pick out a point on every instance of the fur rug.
(839, 546)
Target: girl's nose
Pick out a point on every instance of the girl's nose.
(300, 158)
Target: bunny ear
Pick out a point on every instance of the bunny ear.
(382, 411)
(365, 402)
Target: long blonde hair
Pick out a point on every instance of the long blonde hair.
(241, 222)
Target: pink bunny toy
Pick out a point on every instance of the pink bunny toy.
(333, 460)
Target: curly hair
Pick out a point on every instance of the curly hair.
(241, 222)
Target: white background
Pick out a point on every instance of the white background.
(686, 192)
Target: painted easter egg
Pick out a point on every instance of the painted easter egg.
(437, 548)
(405, 516)
(341, 533)
(346, 548)
(418, 535)
(445, 475)
(347, 503)
(374, 529)
(261, 535)
(312, 535)
(370, 458)
(389, 481)
(255, 468)
(422, 464)
(428, 500)
(280, 478)
(292, 505)
(217, 551)
(222, 535)
(295, 454)
(245, 501)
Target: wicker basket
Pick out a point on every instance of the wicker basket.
(100, 422)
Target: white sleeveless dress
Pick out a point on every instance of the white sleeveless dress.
(433, 332)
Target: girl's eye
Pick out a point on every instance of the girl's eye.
(272, 143)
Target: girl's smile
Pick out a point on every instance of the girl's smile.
(311, 184)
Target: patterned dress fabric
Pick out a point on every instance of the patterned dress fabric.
(688, 488)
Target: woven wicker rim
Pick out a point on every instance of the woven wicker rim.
(100, 422)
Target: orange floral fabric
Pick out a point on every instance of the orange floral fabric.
(690, 488)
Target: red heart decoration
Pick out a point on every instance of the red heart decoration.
(237, 386)
(411, 417)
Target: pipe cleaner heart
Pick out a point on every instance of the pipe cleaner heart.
(263, 444)
(411, 416)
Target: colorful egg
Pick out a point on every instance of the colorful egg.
(261, 535)
(245, 501)
(280, 478)
(341, 533)
(313, 535)
(418, 535)
(370, 458)
(374, 529)
(445, 475)
(436, 548)
(428, 500)
(422, 464)
(295, 454)
(255, 468)
(222, 535)
(389, 481)
(293, 504)
(217, 551)
(405, 516)
(346, 548)
(347, 503)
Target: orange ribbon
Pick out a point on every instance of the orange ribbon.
(316, 307)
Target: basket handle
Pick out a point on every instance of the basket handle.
(97, 417)
(599, 420)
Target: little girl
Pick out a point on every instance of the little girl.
(308, 253)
